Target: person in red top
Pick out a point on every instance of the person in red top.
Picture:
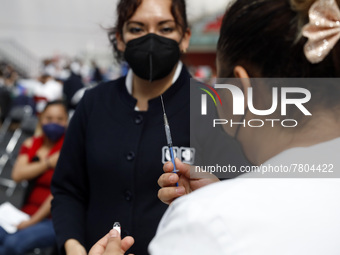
(36, 162)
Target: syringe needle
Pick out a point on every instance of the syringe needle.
(163, 104)
(169, 138)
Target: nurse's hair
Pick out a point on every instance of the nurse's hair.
(126, 9)
(264, 36)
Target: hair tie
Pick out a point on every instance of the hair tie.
(322, 31)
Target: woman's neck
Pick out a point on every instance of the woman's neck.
(48, 143)
(144, 90)
(261, 144)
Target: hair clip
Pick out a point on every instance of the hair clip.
(322, 31)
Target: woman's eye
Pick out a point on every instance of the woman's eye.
(167, 30)
(135, 30)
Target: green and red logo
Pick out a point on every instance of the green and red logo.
(204, 98)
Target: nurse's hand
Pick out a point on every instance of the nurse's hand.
(73, 247)
(111, 244)
(167, 181)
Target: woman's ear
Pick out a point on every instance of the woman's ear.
(241, 73)
(185, 41)
(120, 42)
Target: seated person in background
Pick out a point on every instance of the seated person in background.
(35, 163)
(47, 89)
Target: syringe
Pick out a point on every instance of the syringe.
(168, 138)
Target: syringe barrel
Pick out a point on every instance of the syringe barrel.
(168, 135)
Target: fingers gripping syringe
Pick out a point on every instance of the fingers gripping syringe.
(168, 138)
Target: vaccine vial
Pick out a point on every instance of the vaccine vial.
(117, 227)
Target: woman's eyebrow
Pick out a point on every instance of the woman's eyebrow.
(135, 22)
(142, 24)
(166, 21)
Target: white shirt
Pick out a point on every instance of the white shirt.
(257, 216)
(51, 90)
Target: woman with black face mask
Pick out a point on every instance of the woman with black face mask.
(36, 162)
(115, 145)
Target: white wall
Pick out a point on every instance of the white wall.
(49, 27)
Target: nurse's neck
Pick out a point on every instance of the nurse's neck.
(143, 90)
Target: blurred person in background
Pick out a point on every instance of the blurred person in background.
(112, 155)
(5, 97)
(36, 162)
(8, 84)
(97, 75)
(2, 78)
(73, 87)
(257, 215)
(10, 75)
(47, 88)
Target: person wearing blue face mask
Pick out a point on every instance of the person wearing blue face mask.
(36, 162)
(53, 131)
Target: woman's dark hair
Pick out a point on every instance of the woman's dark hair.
(56, 102)
(264, 36)
(126, 9)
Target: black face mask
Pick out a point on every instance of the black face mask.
(152, 57)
